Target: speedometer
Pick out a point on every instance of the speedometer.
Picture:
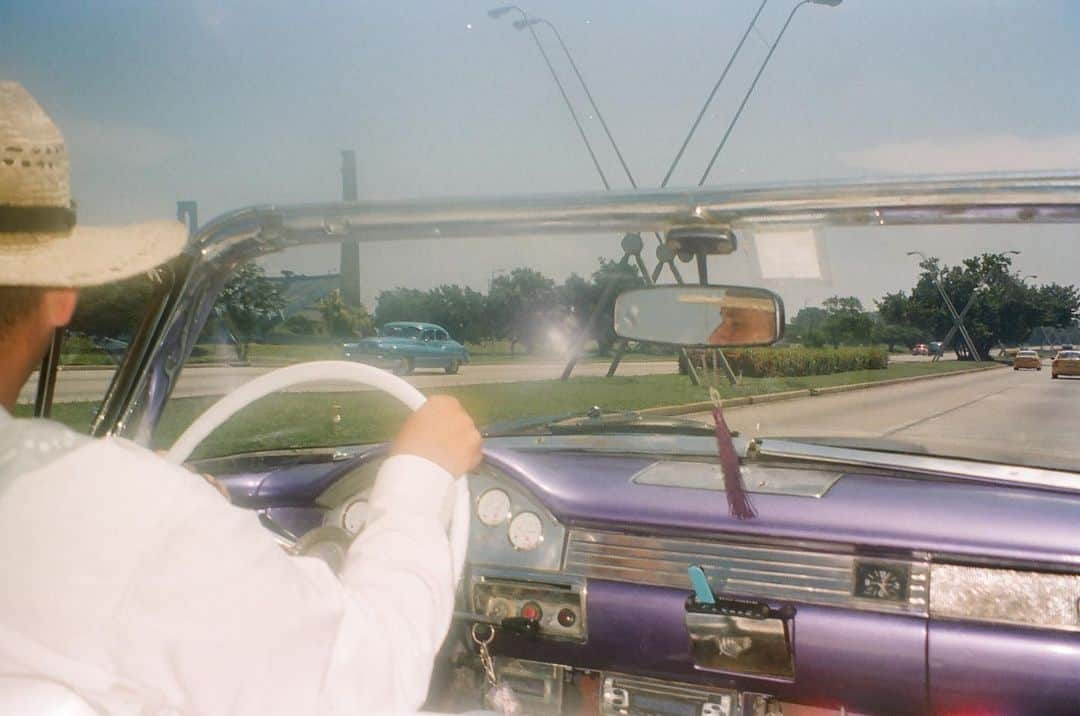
(526, 531)
(493, 507)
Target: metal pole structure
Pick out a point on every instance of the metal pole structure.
(349, 266)
(957, 322)
(712, 94)
(496, 13)
(761, 70)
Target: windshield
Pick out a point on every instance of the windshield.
(898, 334)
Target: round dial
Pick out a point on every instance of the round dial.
(355, 516)
(526, 531)
(881, 583)
(493, 507)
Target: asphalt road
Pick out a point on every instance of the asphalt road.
(74, 385)
(998, 415)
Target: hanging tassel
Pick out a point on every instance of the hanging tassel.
(738, 499)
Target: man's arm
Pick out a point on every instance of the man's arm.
(243, 628)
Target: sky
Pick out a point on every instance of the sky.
(233, 103)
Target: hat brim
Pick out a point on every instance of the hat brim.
(91, 255)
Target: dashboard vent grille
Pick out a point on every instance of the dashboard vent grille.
(737, 569)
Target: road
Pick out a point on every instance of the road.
(74, 385)
(994, 415)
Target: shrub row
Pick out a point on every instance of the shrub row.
(784, 362)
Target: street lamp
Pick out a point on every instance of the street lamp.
(764, 64)
(496, 13)
(531, 21)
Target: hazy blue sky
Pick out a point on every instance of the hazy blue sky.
(235, 103)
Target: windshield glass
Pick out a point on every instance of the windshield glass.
(896, 334)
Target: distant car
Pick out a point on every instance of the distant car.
(1027, 359)
(920, 349)
(1065, 363)
(404, 346)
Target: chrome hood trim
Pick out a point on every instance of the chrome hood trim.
(945, 467)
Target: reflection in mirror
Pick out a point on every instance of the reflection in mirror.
(700, 315)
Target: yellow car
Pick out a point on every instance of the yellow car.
(1027, 359)
(1065, 363)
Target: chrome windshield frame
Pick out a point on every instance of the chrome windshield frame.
(142, 385)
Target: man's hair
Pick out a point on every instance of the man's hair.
(15, 303)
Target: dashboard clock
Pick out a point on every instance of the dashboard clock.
(882, 581)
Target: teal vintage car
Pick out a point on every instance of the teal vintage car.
(407, 345)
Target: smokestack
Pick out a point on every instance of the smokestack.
(350, 250)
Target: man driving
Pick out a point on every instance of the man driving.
(128, 581)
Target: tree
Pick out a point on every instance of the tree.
(845, 321)
(249, 304)
(806, 326)
(114, 309)
(518, 303)
(893, 333)
(342, 320)
(461, 311)
(301, 325)
(1004, 309)
(402, 304)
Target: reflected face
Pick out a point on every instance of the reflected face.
(744, 325)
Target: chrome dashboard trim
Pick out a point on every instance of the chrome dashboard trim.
(1006, 596)
(760, 572)
(985, 472)
(763, 479)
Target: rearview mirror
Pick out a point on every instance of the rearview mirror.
(715, 316)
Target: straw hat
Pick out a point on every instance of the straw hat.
(40, 244)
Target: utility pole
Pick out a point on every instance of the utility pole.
(350, 248)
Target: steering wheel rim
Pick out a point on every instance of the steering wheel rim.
(322, 371)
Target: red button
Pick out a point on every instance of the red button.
(531, 611)
(567, 617)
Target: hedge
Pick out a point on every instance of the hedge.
(780, 362)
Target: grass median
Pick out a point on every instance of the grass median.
(287, 420)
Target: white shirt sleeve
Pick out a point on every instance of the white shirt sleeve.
(210, 615)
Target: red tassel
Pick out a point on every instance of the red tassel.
(738, 499)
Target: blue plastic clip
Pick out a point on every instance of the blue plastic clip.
(703, 593)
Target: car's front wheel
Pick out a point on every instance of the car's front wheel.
(452, 367)
(405, 366)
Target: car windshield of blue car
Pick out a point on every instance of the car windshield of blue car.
(486, 181)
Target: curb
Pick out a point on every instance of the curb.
(704, 405)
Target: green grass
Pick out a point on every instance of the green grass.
(320, 419)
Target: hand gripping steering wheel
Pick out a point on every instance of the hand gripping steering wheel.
(322, 371)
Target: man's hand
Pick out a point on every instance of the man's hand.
(441, 431)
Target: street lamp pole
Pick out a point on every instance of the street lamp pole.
(496, 13)
(523, 23)
(761, 70)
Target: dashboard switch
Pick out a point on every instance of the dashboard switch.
(567, 617)
(531, 611)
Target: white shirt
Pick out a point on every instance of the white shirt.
(134, 583)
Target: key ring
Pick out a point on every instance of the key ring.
(476, 636)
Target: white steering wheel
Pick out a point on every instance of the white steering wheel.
(320, 371)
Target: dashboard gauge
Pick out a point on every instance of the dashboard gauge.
(526, 531)
(887, 582)
(355, 516)
(493, 507)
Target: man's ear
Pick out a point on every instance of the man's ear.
(58, 306)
